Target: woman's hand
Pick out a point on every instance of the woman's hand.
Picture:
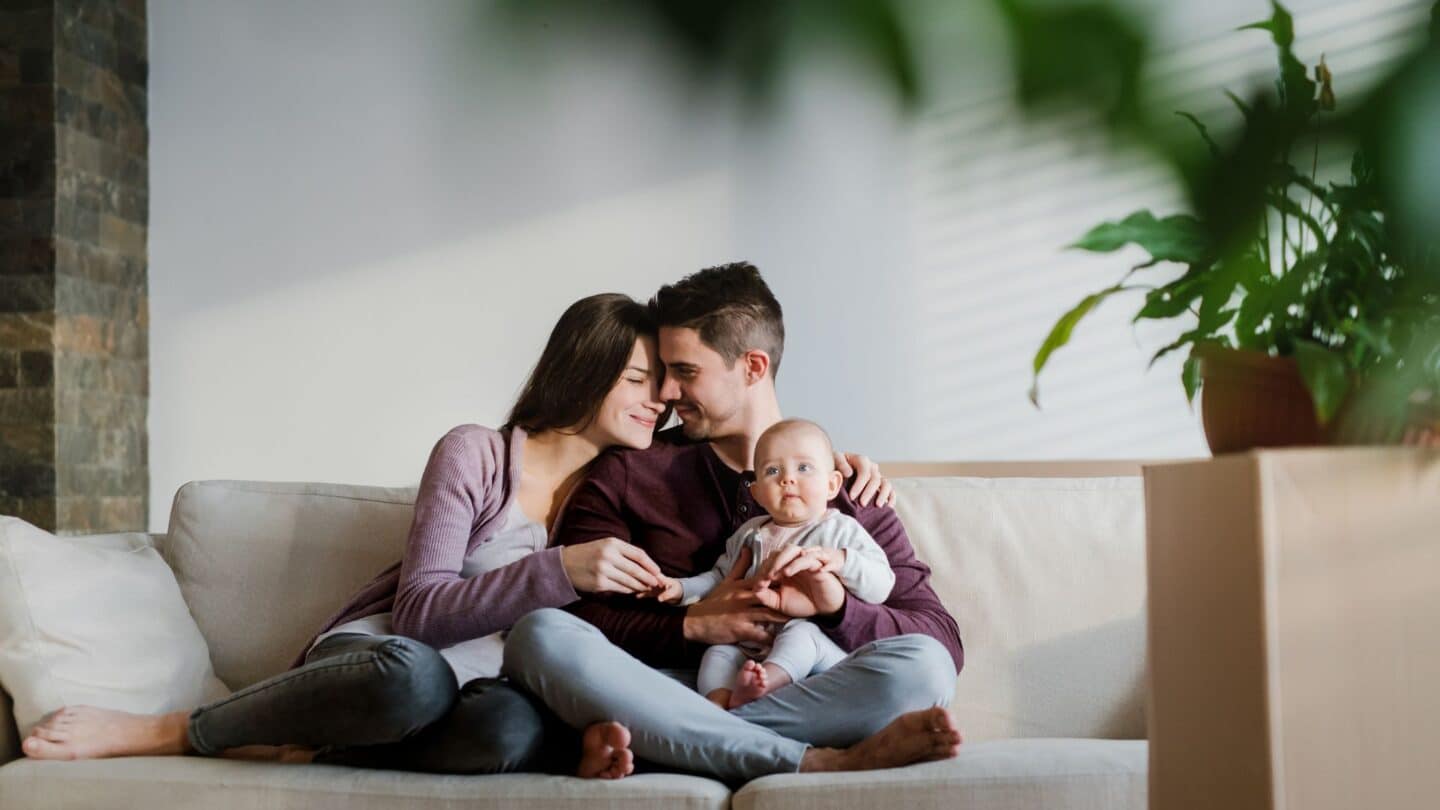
(670, 591)
(610, 565)
(869, 485)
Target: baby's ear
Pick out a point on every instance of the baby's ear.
(836, 481)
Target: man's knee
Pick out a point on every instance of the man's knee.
(918, 670)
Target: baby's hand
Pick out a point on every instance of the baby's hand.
(792, 561)
(831, 559)
(670, 591)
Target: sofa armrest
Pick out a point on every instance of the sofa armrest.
(9, 734)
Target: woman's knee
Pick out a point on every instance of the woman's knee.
(414, 686)
(502, 730)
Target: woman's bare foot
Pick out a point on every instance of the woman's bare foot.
(755, 681)
(605, 752)
(922, 736)
(85, 732)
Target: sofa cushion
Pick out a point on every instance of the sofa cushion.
(998, 775)
(94, 620)
(263, 565)
(1046, 578)
(217, 784)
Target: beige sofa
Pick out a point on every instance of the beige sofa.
(1042, 565)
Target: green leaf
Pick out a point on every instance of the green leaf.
(1204, 332)
(1280, 25)
(1285, 204)
(1325, 376)
(1174, 298)
(1060, 333)
(1245, 109)
(1252, 312)
(1290, 289)
(1178, 238)
(1190, 377)
(1204, 133)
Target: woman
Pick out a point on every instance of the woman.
(404, 676)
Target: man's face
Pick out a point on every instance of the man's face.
(708, 395)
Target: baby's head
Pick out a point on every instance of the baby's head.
(795, 475)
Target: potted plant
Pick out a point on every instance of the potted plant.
(1318, 322)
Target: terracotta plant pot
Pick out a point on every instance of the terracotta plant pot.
(1250, 400)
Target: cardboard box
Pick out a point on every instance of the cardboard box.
(1294, 630)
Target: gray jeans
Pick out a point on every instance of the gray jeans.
(584, 678)
(389, 702)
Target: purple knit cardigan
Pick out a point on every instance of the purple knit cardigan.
(465, 493)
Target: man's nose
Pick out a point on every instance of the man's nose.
(669, 390)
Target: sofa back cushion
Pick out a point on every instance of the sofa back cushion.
(263, 565)
(1044, 575)
(1046, 578)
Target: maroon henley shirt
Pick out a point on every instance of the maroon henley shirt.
(679, 502)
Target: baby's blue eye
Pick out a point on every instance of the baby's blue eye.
(772, 470)
(806, 468)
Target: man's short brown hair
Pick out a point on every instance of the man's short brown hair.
(730, 306)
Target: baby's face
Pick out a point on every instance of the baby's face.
(795, 476)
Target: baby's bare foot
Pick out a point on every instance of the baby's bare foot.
(752, 682)
(922, 736)
(85, 732)
(605, 752)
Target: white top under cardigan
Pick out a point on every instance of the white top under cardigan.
(518, 537)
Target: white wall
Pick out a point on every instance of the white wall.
(365, 216)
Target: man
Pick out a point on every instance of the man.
(721, 339)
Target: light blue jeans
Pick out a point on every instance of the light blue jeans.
(581, 676)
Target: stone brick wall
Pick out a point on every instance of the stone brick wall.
(74, 202)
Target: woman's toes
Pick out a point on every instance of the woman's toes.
(51, 733)
(37, 748)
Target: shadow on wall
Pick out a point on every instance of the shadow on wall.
(1088, 684)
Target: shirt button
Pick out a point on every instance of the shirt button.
(744, 509)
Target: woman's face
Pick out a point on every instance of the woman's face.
(627, 415)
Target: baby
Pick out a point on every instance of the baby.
(795, 480)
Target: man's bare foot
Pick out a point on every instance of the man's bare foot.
(605, 752)
(85, 732)
(720, 697)
(922, 736)
(755, 681)
(289, 754)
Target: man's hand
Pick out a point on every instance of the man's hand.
(733, 612)
(869, 485)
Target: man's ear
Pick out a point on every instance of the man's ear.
(836, 481)
(757, 365)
